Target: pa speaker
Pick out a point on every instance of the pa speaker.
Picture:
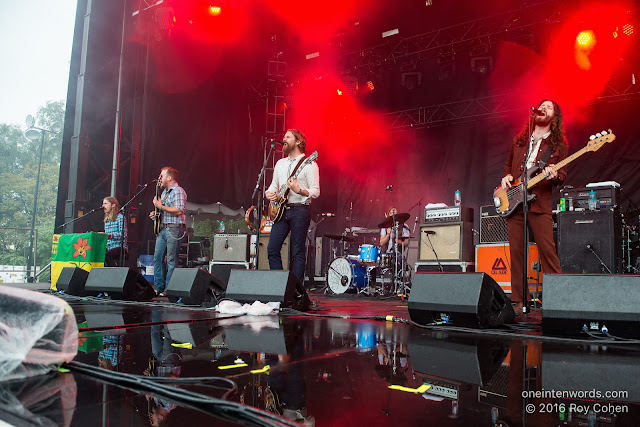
(590, 241)
(194, 286)
(72, 280)
(450, 241)
(268, 286)
(119, 283)
(572, 301)
(222, 270)
(263, 256)
(471, 300)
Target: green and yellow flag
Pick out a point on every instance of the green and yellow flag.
(84, 250)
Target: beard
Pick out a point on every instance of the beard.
(287, 149)
(543, 120)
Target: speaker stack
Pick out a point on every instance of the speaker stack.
(230, 251)
(446, 235)
(268, 286)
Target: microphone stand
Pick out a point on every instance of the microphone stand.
(525, 211)
(123, 212)
(260, 195)
(79, 218)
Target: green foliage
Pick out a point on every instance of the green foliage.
(19, 159)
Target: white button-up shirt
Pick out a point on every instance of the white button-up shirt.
(308, 178)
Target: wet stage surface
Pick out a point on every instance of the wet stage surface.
(327, 368)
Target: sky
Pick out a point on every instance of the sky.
(35, 43)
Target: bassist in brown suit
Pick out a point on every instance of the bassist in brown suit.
(548, 134)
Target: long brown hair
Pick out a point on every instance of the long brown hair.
(557, 129)
(113, 213)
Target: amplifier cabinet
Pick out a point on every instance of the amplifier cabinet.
(231, 247)
(608, 196)
(447, 267)
(263, 261)
(585, 236)
(222, 270)
(451, 241)
(493, 228)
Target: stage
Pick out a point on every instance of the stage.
(333, 365)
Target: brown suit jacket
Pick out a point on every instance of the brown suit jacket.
(515, 167)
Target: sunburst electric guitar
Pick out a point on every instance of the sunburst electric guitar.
(276, 209)
(506, 200)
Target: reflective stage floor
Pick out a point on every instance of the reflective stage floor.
(333, 366)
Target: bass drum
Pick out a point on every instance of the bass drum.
(346, 275)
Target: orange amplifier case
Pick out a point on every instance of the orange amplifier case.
(495, 260)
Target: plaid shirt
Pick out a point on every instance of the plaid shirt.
(175, 197)
(114, 230)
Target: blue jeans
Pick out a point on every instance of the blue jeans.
(295, 219)
(167, 243)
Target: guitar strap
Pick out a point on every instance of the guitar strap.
(545, 158)
(163, 200)
(296, 168)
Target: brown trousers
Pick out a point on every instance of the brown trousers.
(541, 225)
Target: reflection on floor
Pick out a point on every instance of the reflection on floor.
(328, 368)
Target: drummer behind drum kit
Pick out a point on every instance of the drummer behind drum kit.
(357, 273)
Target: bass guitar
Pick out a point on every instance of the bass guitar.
(157, 216)
(276, 209)
(506, 200)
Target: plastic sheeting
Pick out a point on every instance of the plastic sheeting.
(38, 332)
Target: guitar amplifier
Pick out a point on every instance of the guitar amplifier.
(608, 196)
(448, 214)
(231, 247)
(493, 227)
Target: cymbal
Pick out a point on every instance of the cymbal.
(388, 222)
(340, 237)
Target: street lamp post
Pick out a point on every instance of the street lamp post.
(33, 133)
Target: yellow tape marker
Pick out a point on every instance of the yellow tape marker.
(183, 345)
(389, 318)
(260, 371)
(419, 390)
(237, 365)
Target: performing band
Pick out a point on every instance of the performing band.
(536, 163)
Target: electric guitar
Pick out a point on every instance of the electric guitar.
(506, 200)
(276, 209)
(157, 212)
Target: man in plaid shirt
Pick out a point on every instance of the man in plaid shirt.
(172, 203)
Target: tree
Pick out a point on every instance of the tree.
(19, 158)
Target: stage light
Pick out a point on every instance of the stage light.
(390, 33)
(312, 55)
(339, 92)
(370, 85)
(215, 10)
(586, 39)
(627, 29)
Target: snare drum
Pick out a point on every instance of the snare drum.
(386, 260)
(369, 254)
(346, 275)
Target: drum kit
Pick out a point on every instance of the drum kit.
(359, 273)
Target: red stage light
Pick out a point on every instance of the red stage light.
(627, 29)
(339, 92)
(586, 39)
(215, 10)
(370, 85)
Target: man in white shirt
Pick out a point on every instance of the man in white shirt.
(297, 215)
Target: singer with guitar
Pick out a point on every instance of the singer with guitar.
(547, 143)
(296, 196)
(170, 216)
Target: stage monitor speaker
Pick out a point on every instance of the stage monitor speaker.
(72, 281)
(230, 247)
(572, 301)
(222, 270)
(119, 283)
(452, 241)
(586, 237)
(268, 286)
(263, 261)
(195, 286)
(471, 300)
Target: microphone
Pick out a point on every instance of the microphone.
(327, 214)
(275, 141)
(151, 182)
(389, 187)
(94, 210)
(428, 231)
(589, 246)
(226, 243)
(537, 112)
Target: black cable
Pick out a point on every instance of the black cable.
(198, 381)
(223, 409)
